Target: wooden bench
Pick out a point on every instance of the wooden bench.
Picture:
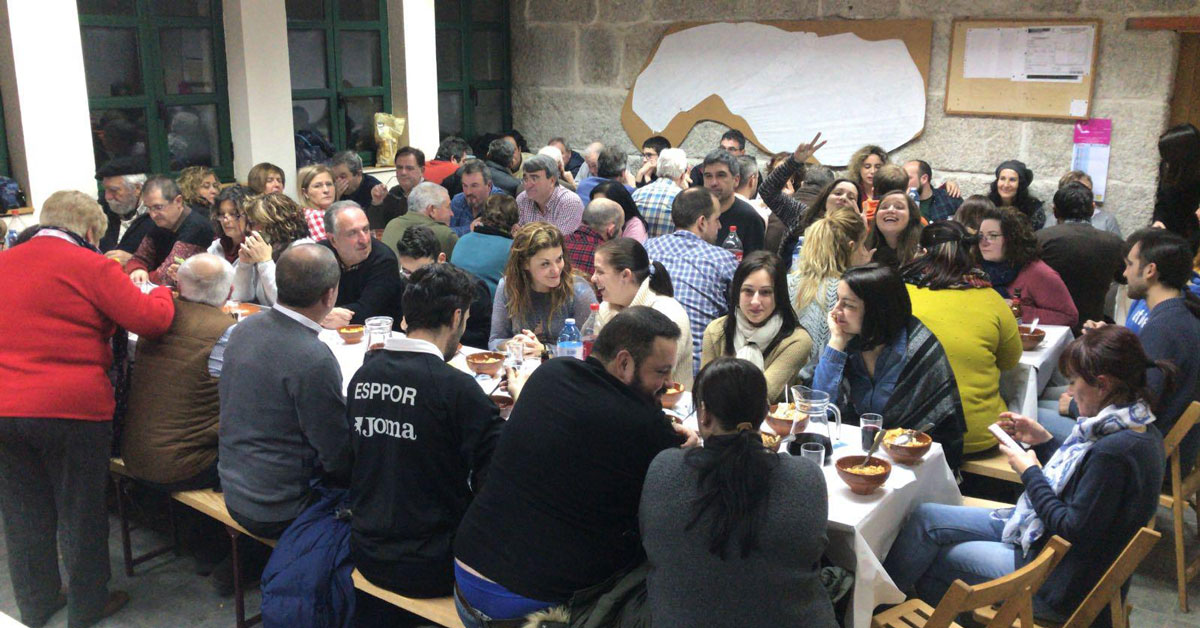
(979, 502)
(212, 504)
(993, 466)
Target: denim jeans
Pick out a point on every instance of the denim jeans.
(939, 544)
(1058, 425)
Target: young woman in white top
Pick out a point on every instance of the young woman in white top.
(625, 277)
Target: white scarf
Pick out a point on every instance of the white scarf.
(750, 341)
(1023, 526)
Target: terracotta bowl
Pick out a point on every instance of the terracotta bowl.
(1030, 342)
(504, 402)
(487, 363)
(771, 441)
(911, 453)
(351, 334)
(861, 483)
(671, 397)
(782, 425)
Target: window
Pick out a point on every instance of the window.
(473, 67)
(340, 73)
(156, 83)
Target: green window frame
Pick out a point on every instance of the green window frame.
(460, 88)
(149, 19)
(338, 98)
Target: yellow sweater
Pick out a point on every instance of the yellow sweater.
(979, 334)
(780, 366)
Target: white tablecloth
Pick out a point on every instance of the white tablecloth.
(1021, 386)
(862, 527)
(350, 358)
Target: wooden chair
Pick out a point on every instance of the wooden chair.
(1183, 493)
(1015, 591)
(1107, 591)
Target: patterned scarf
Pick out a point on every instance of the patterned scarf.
(1001, 274)
(1023, 526)
(921, 276)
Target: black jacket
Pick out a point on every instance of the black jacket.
(373, 287)
(422, 433)
(503, 179)
(559, 511)
(132, 238)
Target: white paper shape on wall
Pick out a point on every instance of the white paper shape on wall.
(788, 86)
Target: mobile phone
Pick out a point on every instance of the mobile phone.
(1003, 436)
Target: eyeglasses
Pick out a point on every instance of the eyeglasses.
(158, 208)
(992, 237)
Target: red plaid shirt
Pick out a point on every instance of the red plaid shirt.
(581, 248)
(316, 223)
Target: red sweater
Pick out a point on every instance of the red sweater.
(62, 304)
(1044, 296)
(437, 170)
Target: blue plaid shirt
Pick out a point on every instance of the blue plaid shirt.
(461, 221)
(941, 206)
(701, 274)
(654, 201)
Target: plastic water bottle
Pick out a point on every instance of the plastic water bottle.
(570, 343)
(733, 243)
(591, 327)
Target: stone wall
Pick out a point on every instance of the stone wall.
(574, 61)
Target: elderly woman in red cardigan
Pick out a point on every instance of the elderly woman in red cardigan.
(1008, 253)
(63, 301)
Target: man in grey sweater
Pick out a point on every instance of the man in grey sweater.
(283, 416)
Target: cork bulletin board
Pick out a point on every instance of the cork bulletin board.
(1023, 68)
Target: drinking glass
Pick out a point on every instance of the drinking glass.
(514, 354)
(379, 329)
(870, 423)
(814, 452)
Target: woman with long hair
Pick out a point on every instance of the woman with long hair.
(882, 359)
(635, 225)
(760, 327)
(1010, 188)
(265, 178)
(1178, 192)
(1096, 489)
(199, 186)
(726, 525)
(229, 222)
(624, 276)
(275, 223)
(896, 229)
(539, 291)
(1010, 255)
(838, 194)
(864, 164)
(831, 245)
(318, 192)
(954, 299)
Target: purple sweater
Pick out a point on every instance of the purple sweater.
(1044, 295)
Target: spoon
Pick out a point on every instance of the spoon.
(1033, 326)
(907, 437)
(874, 445)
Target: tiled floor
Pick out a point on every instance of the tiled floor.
(165, 591)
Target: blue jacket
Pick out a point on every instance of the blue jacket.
(307, 582)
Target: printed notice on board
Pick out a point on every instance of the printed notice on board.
(1061, 54)
(1057, 53)
(1093, 139)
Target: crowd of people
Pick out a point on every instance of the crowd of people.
(892, 295)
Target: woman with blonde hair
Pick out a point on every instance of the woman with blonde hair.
(275, 223)
(831, 245)
(539, 291)
(199, 185)
(265, 178)
(318, 193)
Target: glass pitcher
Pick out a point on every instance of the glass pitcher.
(816, 405)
